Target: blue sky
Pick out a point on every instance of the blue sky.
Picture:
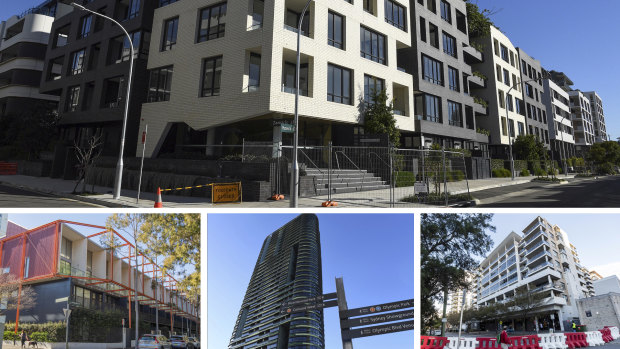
(565, 35)
(594, 235)
(373, 252)
(576, 37)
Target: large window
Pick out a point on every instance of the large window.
(134, 9)
(422, 29)
(171, 28)
(395, 14)
(288, 78)
(254, 70)
(85, 26)
(159, 84)
(431, 106)
(432, 70)
(504, 52)
(433, 33)
(66, 248)
(211, 76)
(506, 77)
(372, 45)
(449, 44)
(212, 22)
(335, 30)
(258, 12)
(455, 117)
(338, 84)
(292, 22)
(121, 48)
(445, 11)
(453, 79)
(372, 86)
(369, 6)
(77, 62)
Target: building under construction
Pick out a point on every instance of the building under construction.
(96, 274)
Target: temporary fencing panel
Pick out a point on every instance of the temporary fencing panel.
(546, 341)
(464, 343)
(487, 342)
(430, 342)
(559, 339)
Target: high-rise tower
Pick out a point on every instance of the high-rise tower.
(288, 267)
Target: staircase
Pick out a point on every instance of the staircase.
(345, 181)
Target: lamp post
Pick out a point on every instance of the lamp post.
(295, 165)
(512, 160)
(118, 179)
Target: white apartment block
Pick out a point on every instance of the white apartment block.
(225, 71)
(541, 259)
(581, 114)
(598, 117)
(561, 127)
(502, 68)
(23, 41)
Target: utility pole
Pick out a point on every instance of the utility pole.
(342, 306)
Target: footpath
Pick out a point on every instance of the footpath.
(376, 198)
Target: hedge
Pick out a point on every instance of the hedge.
(525, 173)
(497, 164)
(501, 173)
(404, 179)
(54, 331)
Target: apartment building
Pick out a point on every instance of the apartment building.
(87, 64)
(505, 118)
(23, 42)
(65, 262)
(440, 61)
(561, 131)
(288, 267)
(581, 115)
(532, 87)
(540, 259)
(221, 72)
(598, 117)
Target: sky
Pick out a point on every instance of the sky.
(578, 38)
(595, 236)
(372, 252)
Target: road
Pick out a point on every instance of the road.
(601, 192)
(16, 197)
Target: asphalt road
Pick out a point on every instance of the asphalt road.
(15, 197)
(601, 192)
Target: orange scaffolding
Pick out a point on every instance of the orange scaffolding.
(170, 299)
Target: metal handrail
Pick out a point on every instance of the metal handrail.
(351, 161)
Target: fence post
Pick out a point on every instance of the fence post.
(445, 176)
(329, 173)
(392, 184)
(466, 176)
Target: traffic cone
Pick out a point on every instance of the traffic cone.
(158, 203)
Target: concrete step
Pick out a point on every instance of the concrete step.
(353, 184)
(318, 172)
(325, 191)
(320, 180)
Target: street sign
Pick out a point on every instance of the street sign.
(444, 320)
(377, 309)
(420, 187)
(287, 128)
(67, 312)
(377, 330)
(63, 299)
(314, 306)
(316, 299)
(377, 319)
(226, 192)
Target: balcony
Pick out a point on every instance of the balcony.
(472, 55)
(538, 255)
(540, 267)
(537, 245)
(476, 80)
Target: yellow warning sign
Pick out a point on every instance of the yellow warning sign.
(226, 193)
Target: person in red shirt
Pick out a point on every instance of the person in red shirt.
(503, 339)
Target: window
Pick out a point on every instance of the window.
(288, 78)
(211, 76)
(498, 72)
(258, 12)
(432, 70)
(511, 124)
(422, 29)
(519, 106)
(254, 72)
(95, 51)
(502, 99)
(292, 22)
(120, 49)
(433, 33)
(431, 106)
(113, 92)
(335, 29)
(85, 25)
(454, 114)
(368, 6)
(504, 126)
(159, 84)
(166, 2)
(528, 90)
(396, 15)
(453, 79)
(449, 44)
(512, 59)
(99, 21)
(212, 22)
(504, 52)
(496, 47)
(509, 103)
(134, 9)
(171, 27)
(77, 62)
(66, 248)
(445, 11)
(372, 45)
(521, 128)
(506, 77)
(372, 86)
(461, 22)
(338, 84)
(431, 5)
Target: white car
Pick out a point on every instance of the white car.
(154, 341)
(195, 341)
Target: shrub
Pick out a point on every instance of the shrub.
(455, 176)
(404, 179)
(501, 173)
(540, 172)
(525, 173)
(606, 168)
(10, 336)
(497, 164)
(39, 337)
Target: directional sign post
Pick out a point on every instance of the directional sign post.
(379, 308)
(377, 330)
(377, 319)
(308, 304)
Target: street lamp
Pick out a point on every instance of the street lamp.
(512, 160)
(295, 165)
(118, 179)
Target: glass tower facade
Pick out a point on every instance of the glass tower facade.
(288, 267)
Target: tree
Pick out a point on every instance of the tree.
(449, 245)
(86, 157)
(605, 156)
(528, 147)
(30, 131)
(15, 296)
(478, 20)
(379, 117)
(524, 302)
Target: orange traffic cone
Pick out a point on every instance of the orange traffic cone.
(158, 203)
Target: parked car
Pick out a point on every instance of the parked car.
(154, 341)
(195, 341)
(182, 342)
